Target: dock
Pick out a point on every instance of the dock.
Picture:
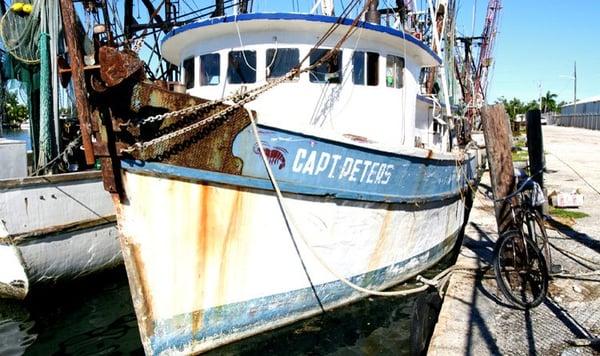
(476, 319)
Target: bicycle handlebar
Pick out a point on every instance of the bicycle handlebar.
(521, 187)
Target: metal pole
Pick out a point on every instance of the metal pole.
(540, 91)
(574, 87)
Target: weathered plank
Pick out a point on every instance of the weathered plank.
(496, 130)
(43, 202)
(81, 102)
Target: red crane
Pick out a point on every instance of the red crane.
(472, 71)
(488, 37)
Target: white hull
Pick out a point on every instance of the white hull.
(55, 228)
(193, 248)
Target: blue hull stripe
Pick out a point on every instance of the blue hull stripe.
(314, 166)
(209, 177)
(248, 317)
(305, 17)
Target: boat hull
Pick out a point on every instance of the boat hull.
(55, 228)
(212, 262)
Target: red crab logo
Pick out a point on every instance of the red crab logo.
(275, 155)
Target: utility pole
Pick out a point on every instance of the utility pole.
(540, 91)
(574, 87)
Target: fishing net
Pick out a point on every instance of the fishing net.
(20, 31)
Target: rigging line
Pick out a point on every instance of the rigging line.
(253, 93)
(331, 30)
(209, 8)
(189, 6)
(577, 173)
(290, 223)
(287, 223)
(242, 44)
(113, 6)
(334, 50)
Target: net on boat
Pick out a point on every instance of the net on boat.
(20, 31)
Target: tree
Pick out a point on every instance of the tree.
(15, 113)
(512, 107)
(549, 102)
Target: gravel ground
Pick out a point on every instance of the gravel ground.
(475, 317)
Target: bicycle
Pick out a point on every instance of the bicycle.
(521, 253)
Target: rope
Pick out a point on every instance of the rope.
(282, 207)
(241, 99)
(69, 148)
(577, 173)
(571, 253)
(289, 223)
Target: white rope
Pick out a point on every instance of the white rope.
(287, 216)
(242, 44)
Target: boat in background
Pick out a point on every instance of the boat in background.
(54, 228)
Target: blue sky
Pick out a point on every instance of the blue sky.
(539, 41)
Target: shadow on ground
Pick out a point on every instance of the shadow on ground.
(534, 326)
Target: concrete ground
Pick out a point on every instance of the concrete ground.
(476, 319)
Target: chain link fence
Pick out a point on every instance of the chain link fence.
(585, 121)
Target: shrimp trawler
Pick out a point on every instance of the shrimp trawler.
(301, 169)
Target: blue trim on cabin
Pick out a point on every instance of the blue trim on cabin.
(305, 17)
(311, 165)
(425, 99)
(250, 316)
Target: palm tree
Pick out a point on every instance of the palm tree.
(549, 102)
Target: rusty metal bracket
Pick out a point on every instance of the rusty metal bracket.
(117, 66)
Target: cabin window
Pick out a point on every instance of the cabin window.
(280, 61)
(210, 69)
(242, 67)
(366, 68)
(328, 72)
(393, 71)
(188, 72)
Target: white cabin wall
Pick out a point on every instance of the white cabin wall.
(423, 122)
(384, 116)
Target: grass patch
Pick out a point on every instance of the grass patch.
(520, 156)
(565, 213)
(520, 143)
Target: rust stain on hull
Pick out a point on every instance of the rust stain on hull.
(381, 247)
(145, 296)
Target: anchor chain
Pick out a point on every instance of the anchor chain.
(239, 98)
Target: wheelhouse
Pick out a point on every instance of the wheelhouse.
(368, 90)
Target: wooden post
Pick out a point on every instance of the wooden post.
(496, 130)
(81, 102)
(535, 144)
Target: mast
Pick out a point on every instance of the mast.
(372, 14)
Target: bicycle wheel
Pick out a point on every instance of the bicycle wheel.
(520, 270)
(536, 231)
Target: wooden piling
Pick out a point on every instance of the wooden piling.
(496, 130)
(535, 144)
